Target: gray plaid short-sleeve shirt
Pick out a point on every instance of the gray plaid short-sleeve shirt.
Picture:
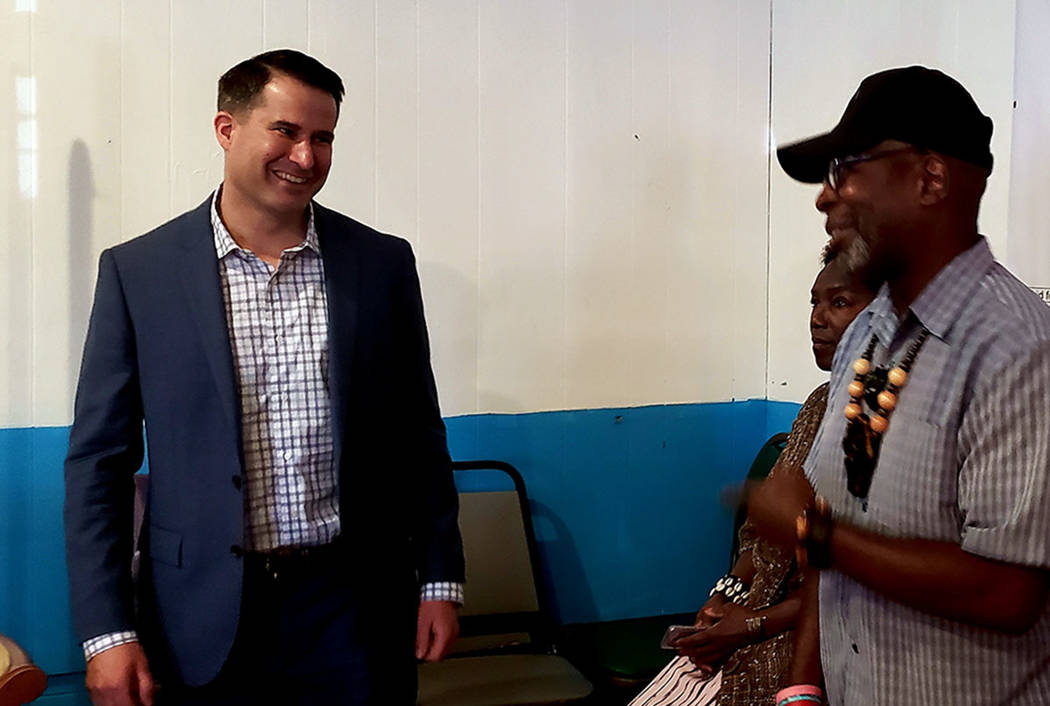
(966, 459)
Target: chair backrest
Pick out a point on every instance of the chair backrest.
(138, 515)
(499, 571)
(765, 459)
(504, 606)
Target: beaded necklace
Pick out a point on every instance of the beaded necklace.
(881, 390)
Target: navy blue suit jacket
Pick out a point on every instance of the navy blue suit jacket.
(158, 352)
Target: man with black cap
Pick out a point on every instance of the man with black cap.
(931, 522)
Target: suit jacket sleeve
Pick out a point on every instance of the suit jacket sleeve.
(436, 537)
(105, 450)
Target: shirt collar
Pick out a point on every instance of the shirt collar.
(939, 304)
(225, 244)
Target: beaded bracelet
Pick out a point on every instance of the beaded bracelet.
(800, 694)
(818, 540)
(732, 587)
(756, 627)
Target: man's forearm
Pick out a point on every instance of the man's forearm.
(941, 579)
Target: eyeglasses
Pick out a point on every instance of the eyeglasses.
(838, 165)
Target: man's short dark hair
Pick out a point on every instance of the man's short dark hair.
(240, 87)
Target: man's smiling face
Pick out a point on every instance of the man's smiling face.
(870, 212)
(279, 150)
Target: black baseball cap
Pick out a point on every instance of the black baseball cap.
(923, 107)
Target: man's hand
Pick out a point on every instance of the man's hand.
(120, 676)
(436, 630)
(712, 611)
(714, 645)
(775, 504)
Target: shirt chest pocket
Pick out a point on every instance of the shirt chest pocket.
(914, 491)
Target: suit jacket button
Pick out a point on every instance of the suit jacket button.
(236, 550)
(237, 482)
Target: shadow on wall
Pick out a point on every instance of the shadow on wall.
(561, 557)
(81, 251)
(451, 303)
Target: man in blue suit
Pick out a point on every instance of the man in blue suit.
(300, 542)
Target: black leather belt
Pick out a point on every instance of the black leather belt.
(282, 560)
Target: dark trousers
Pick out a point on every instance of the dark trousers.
(312, 634)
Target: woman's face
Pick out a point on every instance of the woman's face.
(836, 299)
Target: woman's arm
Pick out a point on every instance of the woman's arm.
(730, 630)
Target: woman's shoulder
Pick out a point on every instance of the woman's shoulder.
(817, 400)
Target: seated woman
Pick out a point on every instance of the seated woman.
(742, 650)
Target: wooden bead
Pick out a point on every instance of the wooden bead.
(861, 366)
(802, 527)
(879, 423)
(887, 400)
(897, 377)
(852, 411)
(856, 388)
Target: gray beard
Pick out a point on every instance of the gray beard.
(856, 256)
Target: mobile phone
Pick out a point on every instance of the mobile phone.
(676, 631)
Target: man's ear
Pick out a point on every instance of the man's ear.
(934, 181)
(224, 123)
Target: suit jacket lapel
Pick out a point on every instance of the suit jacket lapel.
(342, 277)
(200, 280)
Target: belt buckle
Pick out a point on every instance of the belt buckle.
(270, 566)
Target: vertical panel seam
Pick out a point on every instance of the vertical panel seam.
(631, 361)
(565, 209)
(171, 107)
(375, 113)
(667, 215)
(120, 123)
(32, 231)
(769, 197)
(419, 127)
(478, 232)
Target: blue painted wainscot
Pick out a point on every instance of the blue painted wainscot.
(625, 504)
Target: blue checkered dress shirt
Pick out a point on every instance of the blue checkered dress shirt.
(966, 459)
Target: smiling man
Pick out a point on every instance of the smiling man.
(933, 459)
(300, 542)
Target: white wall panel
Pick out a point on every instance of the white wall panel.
(749, 175)
(821, 52)
(602, 345)
(18, 115)
(146, 117)
(286, 24)
(717, 189)
(397, 131)
(1028, 252)
(343, 36)
(522, 279)
(585, 182)
(207, 38)
(448, 238)
(652, 180)
(76, 59)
